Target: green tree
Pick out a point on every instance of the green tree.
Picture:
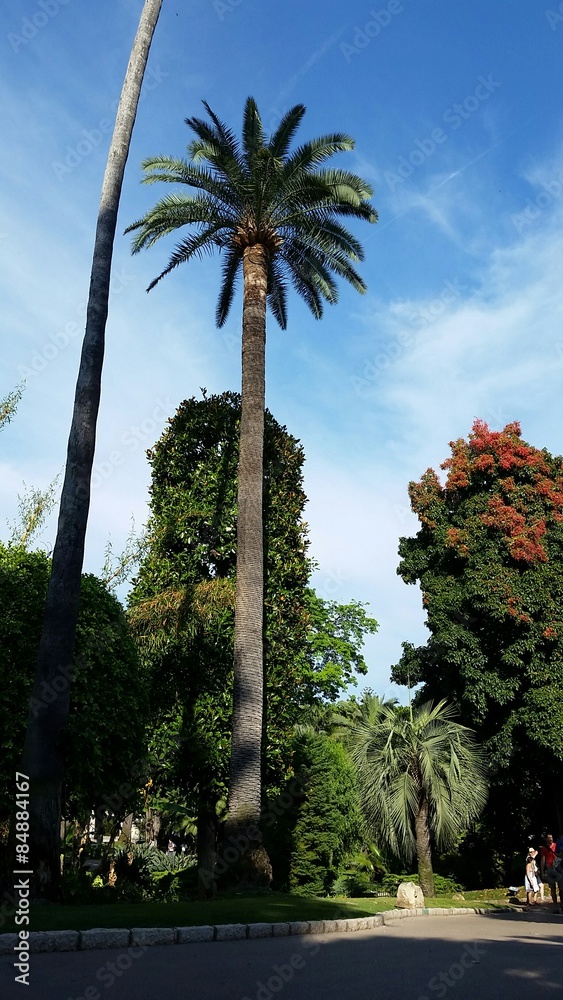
(183, 601)
(182, 608)
(489, 560)
(274, 214)
(104, 740)
(42, 757)
(421, 777)
(326, 819)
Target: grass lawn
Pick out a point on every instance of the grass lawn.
(232, 909)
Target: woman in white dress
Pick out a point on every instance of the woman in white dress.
(531, 877)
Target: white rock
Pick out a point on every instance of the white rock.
(409, 896)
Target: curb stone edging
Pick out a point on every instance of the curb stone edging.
(99, 937)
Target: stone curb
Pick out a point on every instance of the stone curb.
(145, 937)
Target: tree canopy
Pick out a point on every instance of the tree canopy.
(182, 603)
(488, 557)
(104, 739)
(258, 192)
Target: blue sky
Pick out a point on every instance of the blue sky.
(455, 109)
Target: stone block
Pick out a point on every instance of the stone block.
(147, 937)
(341, 926)
(352, 924)
(299, 927)
(315, 926)
(259, 930)
(100, 937)
(230, 932)
(280, 930)
(193, 935)
(7, 942)
(40, 941)
(65, 940)
(329, 926)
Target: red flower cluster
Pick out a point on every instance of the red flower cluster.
(523, 539)
(526, 495)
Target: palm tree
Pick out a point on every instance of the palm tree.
(43, 758)
(421, 777)
(273, 214)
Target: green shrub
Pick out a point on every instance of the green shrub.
(327, 824)
(145, 873)
(444, 885)
(353, 884)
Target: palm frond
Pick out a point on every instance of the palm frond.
(194, 246)
(312, 153)
(253, 137)
(281, 140)
(231, 265)
(277, 295)
(221, 137)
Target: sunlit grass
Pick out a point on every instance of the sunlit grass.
(270, 908)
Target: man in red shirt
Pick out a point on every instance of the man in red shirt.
(550, 868)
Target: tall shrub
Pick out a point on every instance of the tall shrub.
(327, 816)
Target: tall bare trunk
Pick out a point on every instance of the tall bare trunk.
(43, 755)
(424, 850)
(242, 827)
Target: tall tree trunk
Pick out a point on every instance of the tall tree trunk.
(43, 755)
(245, 788)
(424, 850)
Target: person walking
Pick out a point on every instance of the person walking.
(551, 868)
(531, 878)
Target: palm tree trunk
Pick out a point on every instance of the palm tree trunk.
(424, 850)
(43, 755)
(244, 805)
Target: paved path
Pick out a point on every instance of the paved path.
(462, 958)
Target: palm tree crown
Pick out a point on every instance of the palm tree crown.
(258, 192)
